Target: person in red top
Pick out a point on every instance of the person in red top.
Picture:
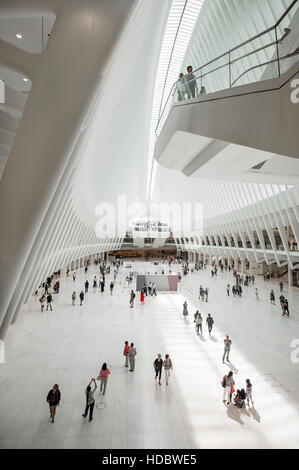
(142, 297)
(104, 377)
(126, 353)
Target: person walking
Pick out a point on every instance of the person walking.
(86, 286)
(132, 355)
(154, 289)
(207, 293)
(90, 401)
(158, 364)
(104, 373)
(49, 301)
(142, 297)
(81, 296)
(281, 286)
(227, 345)
(272, 297)
(73, 298)
(95, 284)
(102, 284)
(53, 398)
(167, 367)
(256, 294)
(42, 302)
(132, 297)
(74, 276)
(111, 287)
(126, 353)
(145, 289)
(285, 307)
(210, 323)
(198, 323)
(149, 288)
(195, 319)
(249, 391)
(185, 309)
(227, 383)
(227, 289)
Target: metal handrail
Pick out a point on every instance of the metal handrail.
(292, 54)
(229, 52)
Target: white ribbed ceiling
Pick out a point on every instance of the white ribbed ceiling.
(181, 20)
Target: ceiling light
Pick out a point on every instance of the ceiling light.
(25, 79)
(19, 35)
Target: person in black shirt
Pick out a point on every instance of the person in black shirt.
(49, 301)
(111, 287)
(53, 398)
(158, 363)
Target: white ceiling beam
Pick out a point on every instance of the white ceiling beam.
(17, 59)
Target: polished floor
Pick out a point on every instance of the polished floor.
(68, 345)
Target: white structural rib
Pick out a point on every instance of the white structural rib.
(181, 20)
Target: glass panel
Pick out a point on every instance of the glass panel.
(253, 62)
(287, 31)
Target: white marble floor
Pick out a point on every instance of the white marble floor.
(68, 345)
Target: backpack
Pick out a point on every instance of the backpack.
(223, 382)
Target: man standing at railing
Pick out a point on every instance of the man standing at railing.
(190, 81)
(181, 88)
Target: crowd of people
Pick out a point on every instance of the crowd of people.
(237, 397)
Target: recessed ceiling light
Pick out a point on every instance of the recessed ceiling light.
(25, 79)
(19, 35)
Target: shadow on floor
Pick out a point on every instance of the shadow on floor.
(255, 414)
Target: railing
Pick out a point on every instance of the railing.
(193, 84)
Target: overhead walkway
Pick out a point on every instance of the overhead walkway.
(246, 131)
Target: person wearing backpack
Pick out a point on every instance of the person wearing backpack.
(227, 383)
(210, 323)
